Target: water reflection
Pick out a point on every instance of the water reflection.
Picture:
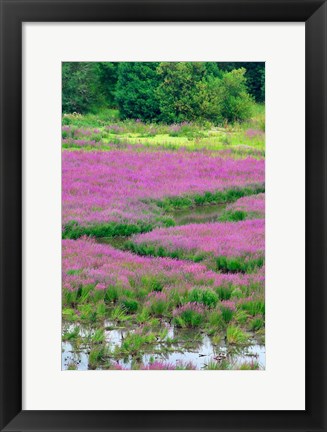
(188, 346)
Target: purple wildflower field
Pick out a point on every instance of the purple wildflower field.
(114, 186)
(154, 289)
(87, 263)
(228, 239)
(251, 204)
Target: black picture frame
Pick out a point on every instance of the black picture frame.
(13, 14)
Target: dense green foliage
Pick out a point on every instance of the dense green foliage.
(136, 90)
(87, 87)
(169, 92)
(255, 76)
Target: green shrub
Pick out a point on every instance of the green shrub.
(80, 87)
(136, 90)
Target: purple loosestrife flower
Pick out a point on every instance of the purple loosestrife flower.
(250, 204)
(122, 185)
(80, 143)
(156, 296)
(228, 304)
(191, 306)
(251, 133)
(227, 239)
(175, 128)
(85, 262)
(115, 128)
(159, 365)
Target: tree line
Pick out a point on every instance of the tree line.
(170, 92)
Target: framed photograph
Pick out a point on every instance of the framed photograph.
(163, 234)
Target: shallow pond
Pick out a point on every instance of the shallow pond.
(199, 214)
(191, 346)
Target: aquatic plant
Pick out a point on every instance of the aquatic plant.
(134, 343)
(235, 335)
(227, 308)
(249, 365)
(189, 315)
(256, 324)
(97, 355)
(130, 305)
(157, 303)
(224, 364)
(160, 365)
(207, 297)
(71, 334)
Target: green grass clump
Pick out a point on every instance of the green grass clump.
(243, 264)
(253, 365)
(72, 366)
(158, 307)
(143, 316)
(119, 314)
(188, 318)
(69, 314)
(217, 197)
(235, 335)
(130, 305)
(254, 307)
(221, 365)
(111, 294)
(238, 264)
(233, 216)
(206, 297)
(241, 317)
(151, 283)
(87, 312)
(227, 314)
(98, 337)
(70, 335)
(134, 343)
(224, 292)
(73, 230)
(256, 324)
(214, 324)
(97, 355)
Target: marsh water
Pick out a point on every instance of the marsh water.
(190, 346)
(197, 214)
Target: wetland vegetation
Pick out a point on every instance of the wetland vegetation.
(163, 216)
